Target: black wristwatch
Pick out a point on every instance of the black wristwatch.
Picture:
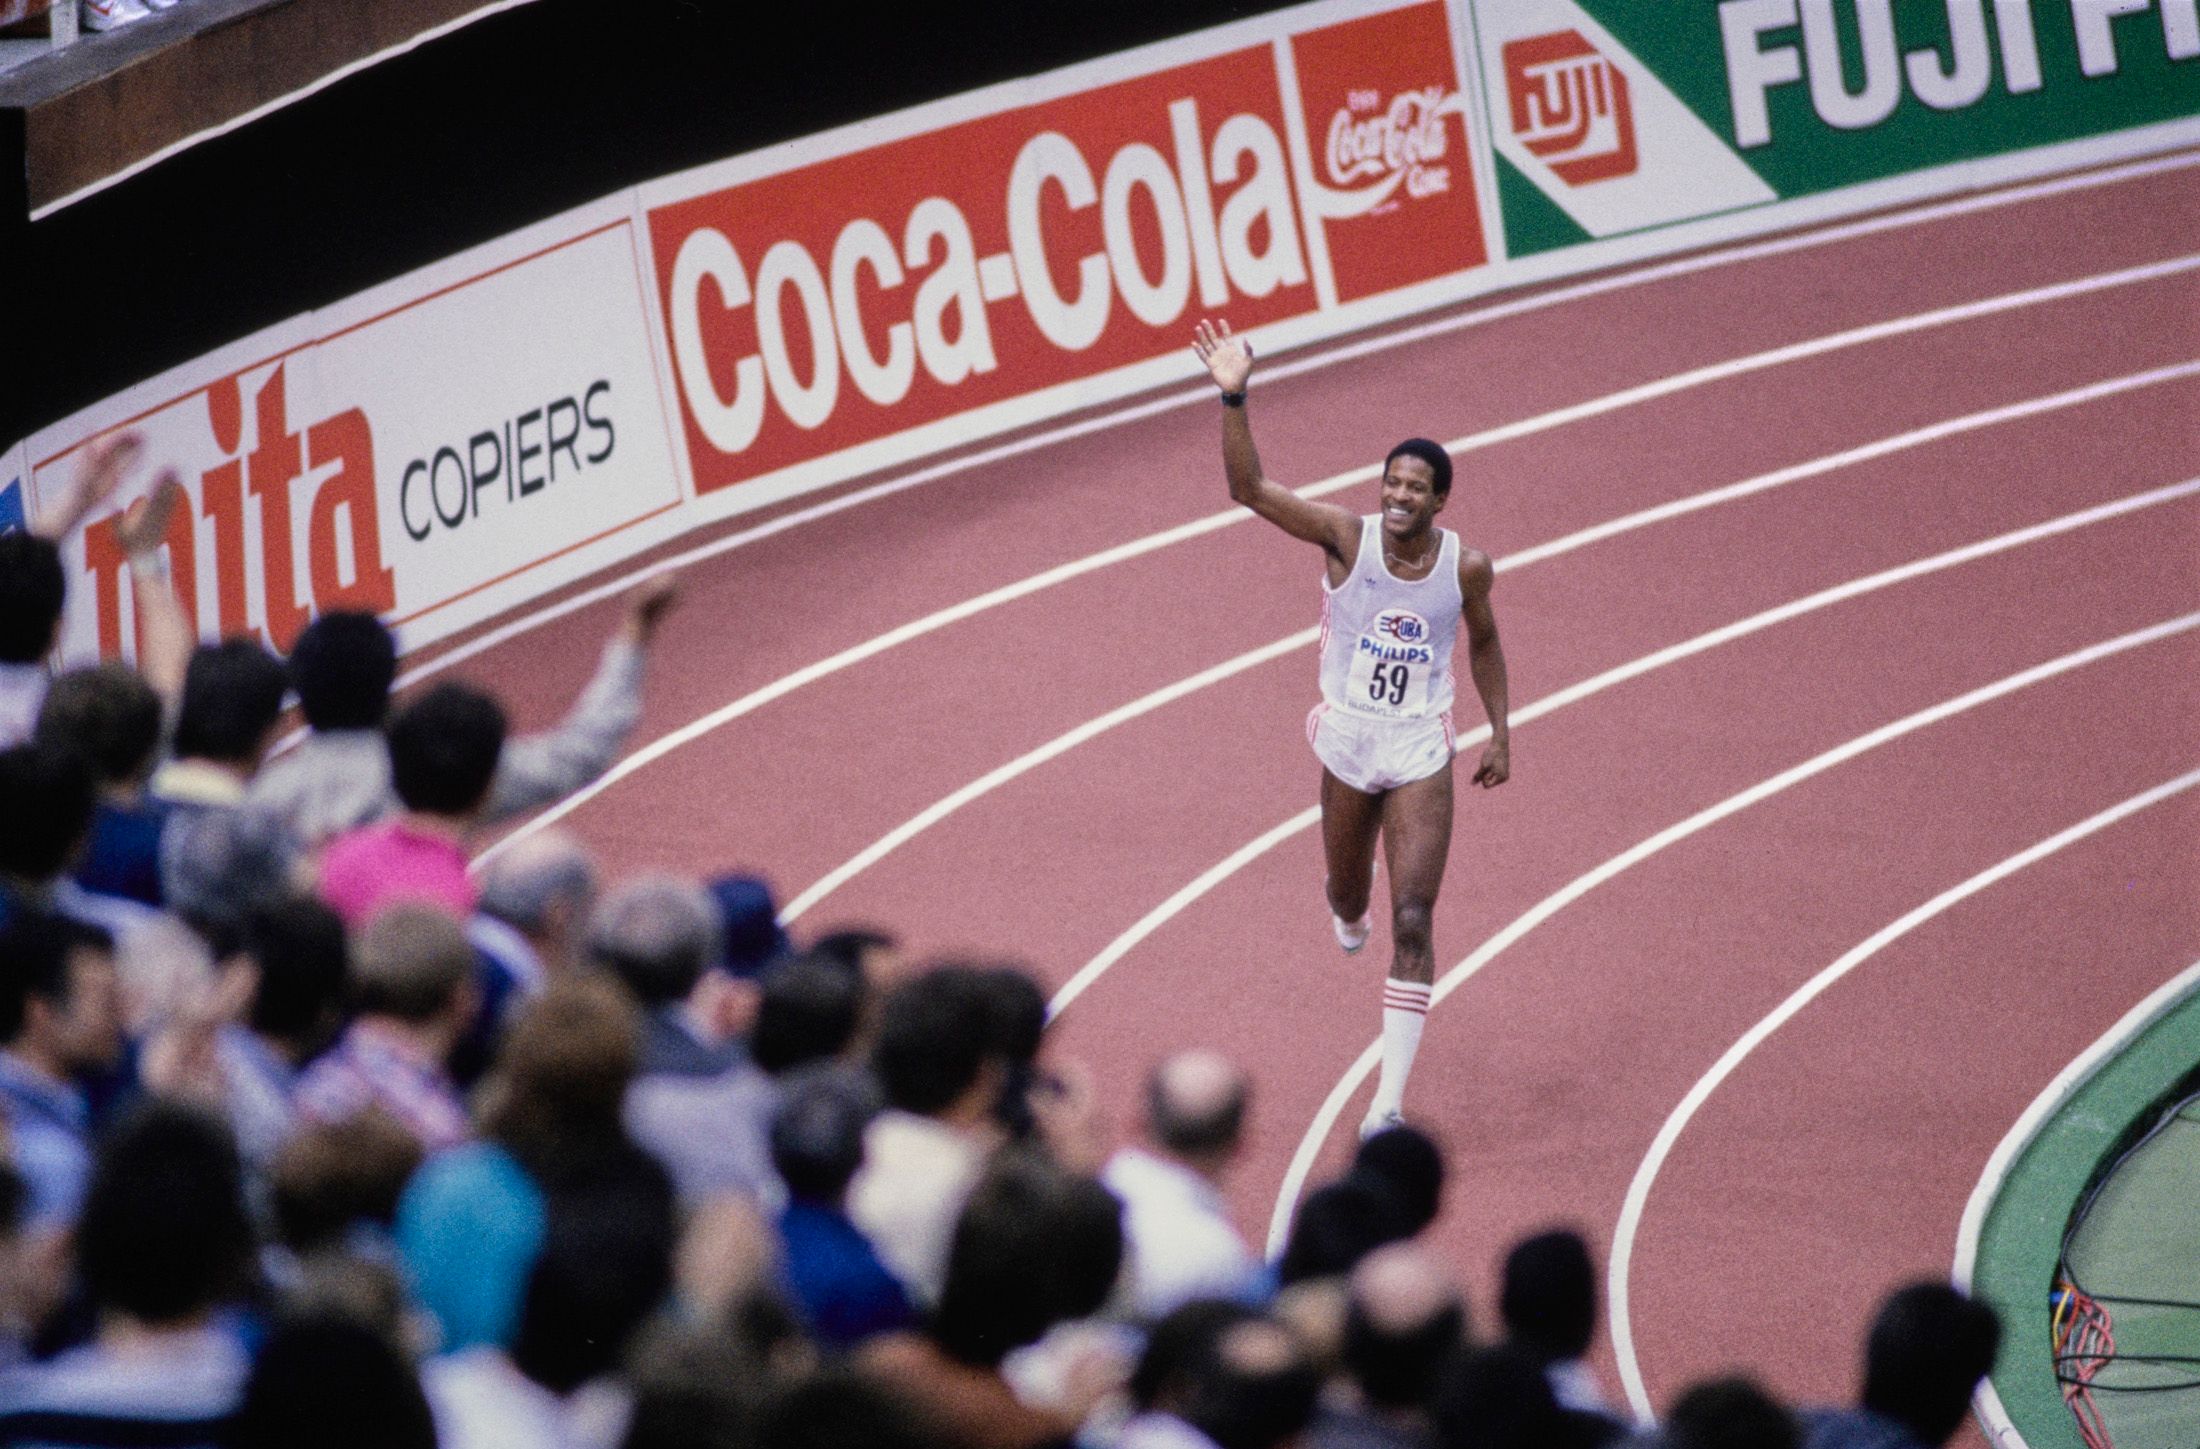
(1233, 399)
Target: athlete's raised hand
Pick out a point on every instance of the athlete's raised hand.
(1228, 359)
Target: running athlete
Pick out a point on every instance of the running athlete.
(1391, 605)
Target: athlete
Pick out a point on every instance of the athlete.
(1396, 591)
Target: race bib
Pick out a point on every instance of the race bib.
(1391, 666)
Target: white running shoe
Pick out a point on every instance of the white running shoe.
(1352, 935)
(109, 14)
(1381, 1121)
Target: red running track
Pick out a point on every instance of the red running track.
(1835, 1160)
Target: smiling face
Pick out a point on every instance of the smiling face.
(1410, 499)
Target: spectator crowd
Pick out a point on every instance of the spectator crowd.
(311, 1132)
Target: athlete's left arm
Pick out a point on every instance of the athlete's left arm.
(1486, 662)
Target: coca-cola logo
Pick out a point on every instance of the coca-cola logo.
(1378, 147)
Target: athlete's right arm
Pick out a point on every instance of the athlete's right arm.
(1229, 361)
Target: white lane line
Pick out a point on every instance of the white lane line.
(1324, 357)
(1318, 1130)
(1986, 1403)
(939, 619)
(1638, 1191)
(1153, 920)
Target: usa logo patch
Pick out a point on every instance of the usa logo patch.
(1402, 625)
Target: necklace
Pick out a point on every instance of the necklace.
(1419, 565)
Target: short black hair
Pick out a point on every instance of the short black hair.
(164, 1234)
(817, 1133)
(304, 961)
(808, 1011)
(851, 943)
(46, 799)
(34, 962)
(1431, 453)
(1254, 1395)
(606, 1261)
(444, 748)
(1729, 1413)
(108, 714)
(1034, 1246)
(1549, 1298)
(1402, 1370)
(312, 1362)
(1929, 1346)
(935, 1036)
(232, 696)
(1177, 1348)
(1338, 1225)
(1408, 1161)
(1497, 1398)
(32, 588)
(342, 667)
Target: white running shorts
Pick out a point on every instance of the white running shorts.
(1374, 755)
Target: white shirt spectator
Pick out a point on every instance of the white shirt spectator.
(916, 1175)
(1180, 1241)
(481, 1401)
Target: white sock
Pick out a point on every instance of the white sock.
(1405, 1009)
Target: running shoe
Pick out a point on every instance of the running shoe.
(109, 14)
(1352, 935)
(1381, 1122)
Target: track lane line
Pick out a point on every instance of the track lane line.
(1093, 728)
(1805, 240)
(939, 619)
(1317, 1132)
(1661, 1147)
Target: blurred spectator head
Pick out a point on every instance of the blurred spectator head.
(561, 1075)
(164, 1236)
(444, 748)
(837, 1407)
(342, 667)
(226, 866)
(935, 1051)
(1731, 1413)
(809, 1012)
(1018, 1009)
(817, 1132)
(750, 942)
(1929, 1346)
(31, 592)
(1549, 1297)
(1176, 1348)
(1255, 1390)
(1195, 1108)
(1404, 1325)
(414, 964)
(108, 714)
(606, 1262)
(543, 886)
(874, 953)
(1034, 1246)
(1339, 1224)
(695, 1388)
(298, 947)
(333, 1177)
(1408, 1161)
(232, 697)
(46, 800)
(1498, 1398)
(308, 1366)
(657, 934)
(60, 1000)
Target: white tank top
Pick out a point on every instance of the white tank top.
(1386, 644)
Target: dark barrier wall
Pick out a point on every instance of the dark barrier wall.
(500, 124)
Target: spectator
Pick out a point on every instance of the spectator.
(339, 778)
(32, 589)
(472, 1222)
(751, 945)
(936, 1063)
(1498, 1398)
(838, 1408)
(1169, 1371)
(873, 955)
(416, 995)
(333, 1184)
(240, 862)
(1019, 1013)
(60, 1019)
(661, 937)
(232, 699)
(1034, 1247)
(606, 1262)
(163, 1243)
(300, 962)
(112, 717)
(1405, 1324)
(443, 750)
(1408, 1162)
(311, 1364)
(1731, 1413)
(1256, 1390)
(46, 800)
(834, 1276)
(1549, 1304)
(1929, 1346)
(1340, 1224)
(536, 896)
(1181, 1242)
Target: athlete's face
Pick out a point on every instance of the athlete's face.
(1410, 499)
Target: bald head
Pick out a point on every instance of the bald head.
(1399, 1288)
(1195, 1106)
(1257, 1389)
(536, 876)
(1404, 1322)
